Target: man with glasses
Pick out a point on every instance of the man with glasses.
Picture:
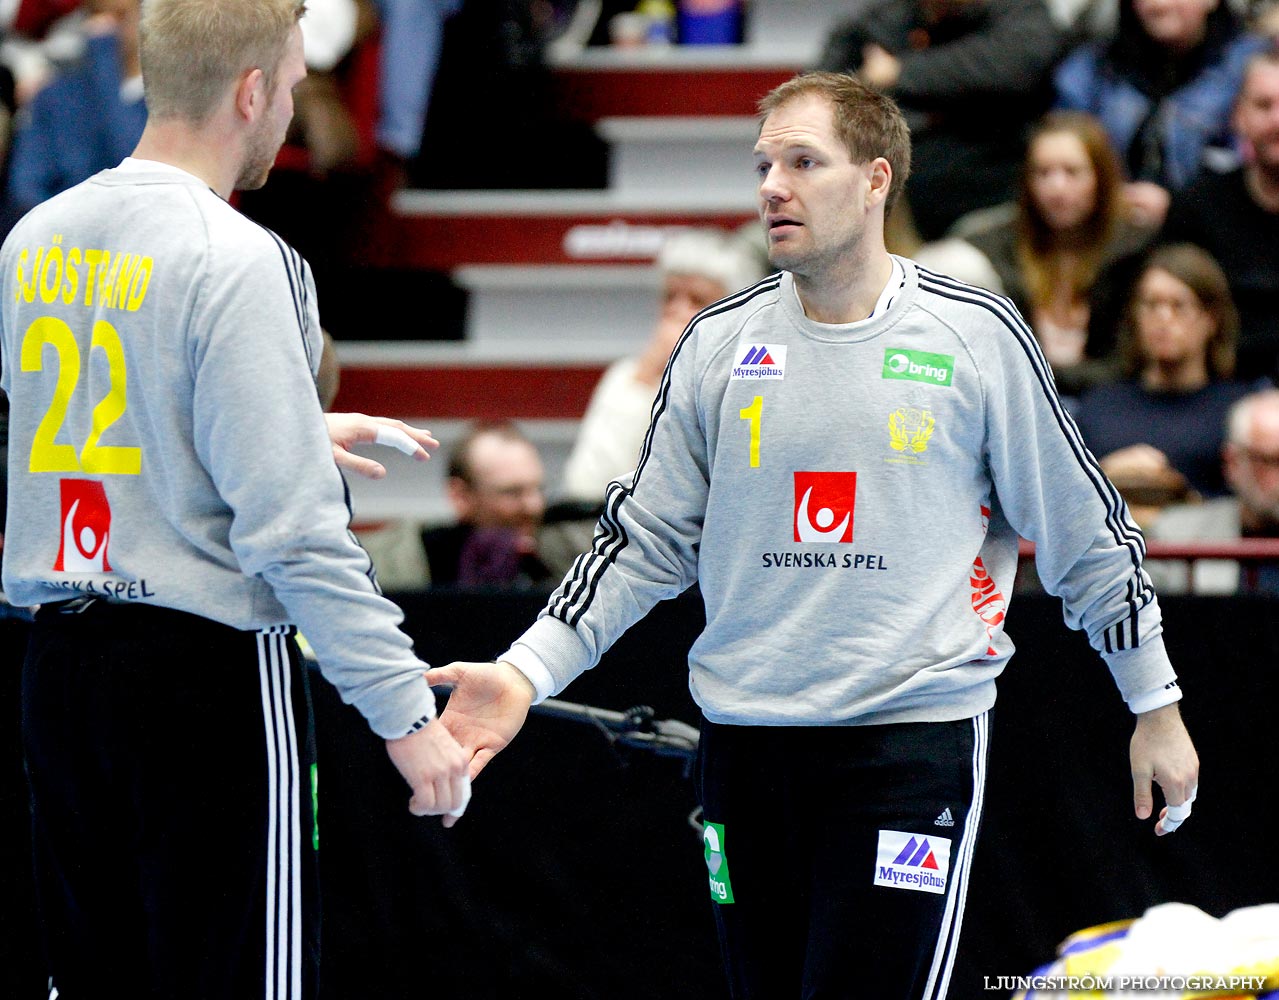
(1250, 461)
(495, 487)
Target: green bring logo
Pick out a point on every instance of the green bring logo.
(717, 863)
(918, 366)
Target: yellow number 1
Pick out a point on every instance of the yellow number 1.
(755, 414)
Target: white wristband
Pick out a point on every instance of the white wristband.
(1148, 701)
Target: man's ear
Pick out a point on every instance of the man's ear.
(250, 94)
(881, 180)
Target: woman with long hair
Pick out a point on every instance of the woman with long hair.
(1067, 254)
(1161, 426)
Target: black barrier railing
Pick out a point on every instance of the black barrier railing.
(636, 727)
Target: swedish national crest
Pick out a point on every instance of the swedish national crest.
(909, 431)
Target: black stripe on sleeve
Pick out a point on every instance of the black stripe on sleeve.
(1126, 534)
(292, 261)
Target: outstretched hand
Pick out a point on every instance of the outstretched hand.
(1161, 752)
(489, 704)
(347, 429)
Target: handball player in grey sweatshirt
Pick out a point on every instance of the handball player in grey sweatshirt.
(843, 457)
(175, 510)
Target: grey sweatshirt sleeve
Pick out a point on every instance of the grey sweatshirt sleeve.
(1052, 492)
(262, 437)
(646, 544)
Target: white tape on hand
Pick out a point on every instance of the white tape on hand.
(393, 437)
(1174, 816)
(466, 798)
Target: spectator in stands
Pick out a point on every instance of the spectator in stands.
(1067, 255)
(1158, 432)
(322, 123)
(698, 267)
(34, 36)
(495, 487)
(971, 76)
(1163, 88)
(88, 118)
(412, 37)
(1235, 217)
(1251, 463)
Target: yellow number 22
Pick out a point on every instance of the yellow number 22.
(46, 454)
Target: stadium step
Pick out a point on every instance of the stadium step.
(650, 156)
(445, 230)
(578, 306)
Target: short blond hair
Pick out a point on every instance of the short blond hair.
(193, 50)
(867, 121)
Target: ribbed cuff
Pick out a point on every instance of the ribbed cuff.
(1148, 701)
(532, 666)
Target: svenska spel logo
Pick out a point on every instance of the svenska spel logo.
(912, 861)
(824, 503)
(86, 528)
(760, 361)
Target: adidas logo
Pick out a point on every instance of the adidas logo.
(945, 819)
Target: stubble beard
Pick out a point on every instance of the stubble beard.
(805, 263)
(259, 158)
(818, 265)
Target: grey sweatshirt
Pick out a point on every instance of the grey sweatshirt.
(167, 444)
(849, 499)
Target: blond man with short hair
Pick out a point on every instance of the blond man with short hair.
(176, 511)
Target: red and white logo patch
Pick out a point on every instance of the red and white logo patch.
(824, 503)
(86, 528)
